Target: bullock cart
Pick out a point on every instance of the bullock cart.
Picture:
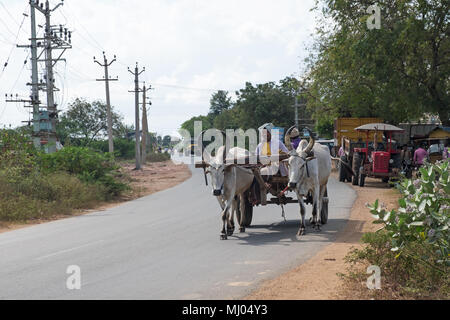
(275, 187)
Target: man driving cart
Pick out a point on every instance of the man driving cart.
(267, 147)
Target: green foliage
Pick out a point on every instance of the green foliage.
(189, 124)
(402, 276)
(423, 217)
(123, 148)
(412, 247)
(397, 73)
(86, 121)
(255, 105)
(325, 127)
(38, 195)
(220, 101)
(158, 157)
(88, 165)
(16, 150)
(268, 102)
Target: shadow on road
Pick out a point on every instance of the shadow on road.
(285, 233)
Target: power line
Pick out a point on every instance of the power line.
(6, 26)
(95, 42)
(21, 71)
(12, 49)
(11, 16)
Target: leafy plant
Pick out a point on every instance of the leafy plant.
(88, 165)
(423, 217)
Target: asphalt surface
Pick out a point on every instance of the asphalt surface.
(163, 246)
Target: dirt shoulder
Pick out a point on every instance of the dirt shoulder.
(318, 279)
(153, 177)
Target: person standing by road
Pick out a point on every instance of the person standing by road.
(405, 154)
(446, 152)
(420, 156)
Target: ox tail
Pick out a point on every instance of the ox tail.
(345, 164)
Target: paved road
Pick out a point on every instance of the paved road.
(163, 246)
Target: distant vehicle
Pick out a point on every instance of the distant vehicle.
(345, 127)
(191, 149)
(435, 152)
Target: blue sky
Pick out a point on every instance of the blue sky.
(189, 48)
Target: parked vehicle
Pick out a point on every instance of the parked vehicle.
(383, 162)
(345, 128)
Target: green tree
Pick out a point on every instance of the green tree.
(86, 121)
(189, 124)
(397, 72)
(268, 102)
(220, 102)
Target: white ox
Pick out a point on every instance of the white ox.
(229, 182)
(309, 174)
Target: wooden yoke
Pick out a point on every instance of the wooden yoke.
(251, 161)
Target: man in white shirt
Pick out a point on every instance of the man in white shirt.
(268, 147)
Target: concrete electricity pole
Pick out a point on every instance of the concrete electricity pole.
(55, 38)
(296, 105)
(301, 121)
(34, 79)
(107, 79)
(136, 91)
(145, 122)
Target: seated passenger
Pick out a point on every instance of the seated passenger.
(295, 138)
(268, 147)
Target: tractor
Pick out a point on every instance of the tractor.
(376, 159)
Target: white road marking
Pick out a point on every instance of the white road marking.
(68, 250)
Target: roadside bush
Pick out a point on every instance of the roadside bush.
(123, 148)
(412, 247)
(423, 216)
(16, 151)
(41, 196)
(35, 185)
(88, 165)
(158, 157)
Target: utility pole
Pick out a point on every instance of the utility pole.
(296, 105)
(301, 121)
(55, 38)
(107, 79)
(34, 80)
(136, 91)
(145, 122)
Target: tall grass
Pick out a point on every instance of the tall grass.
(34, 185)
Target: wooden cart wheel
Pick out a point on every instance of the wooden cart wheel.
(362, 177)
(248, 212)
(324, 211)
(356, 165)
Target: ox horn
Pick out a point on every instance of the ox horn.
(227, 142)
(310, 144)
(200, 143)
(287, 138)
